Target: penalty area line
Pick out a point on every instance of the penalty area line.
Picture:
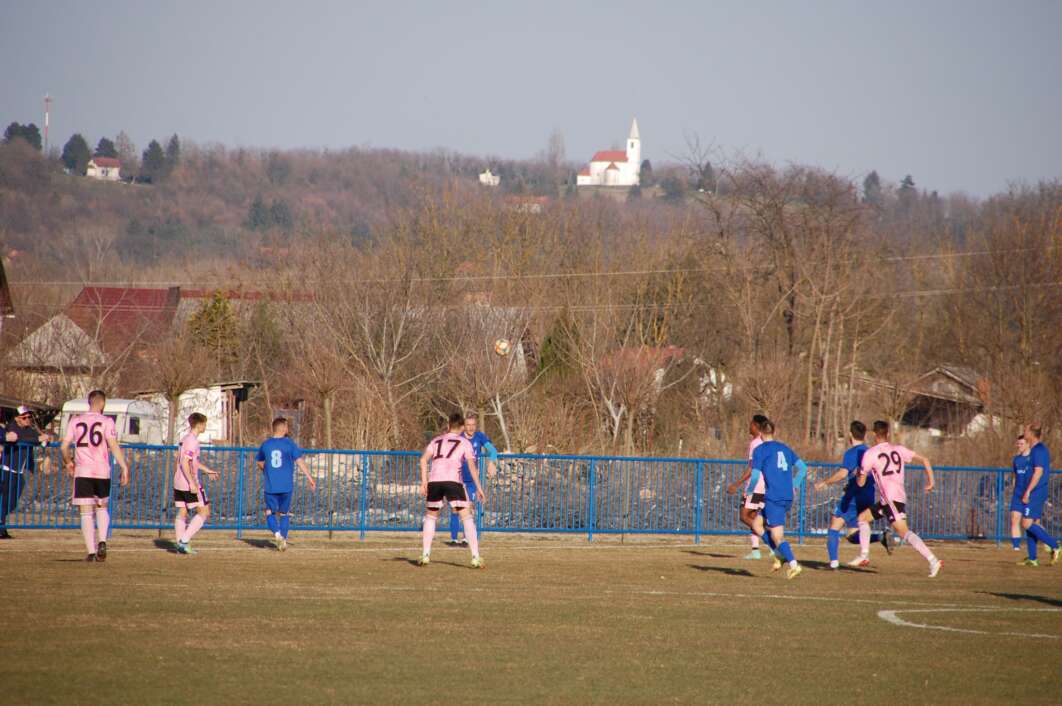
(891, 616)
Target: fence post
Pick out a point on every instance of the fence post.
(698, 501)
(590, 505)
(1000, 479)
(803, 508)
(239, 494)
(363, 497)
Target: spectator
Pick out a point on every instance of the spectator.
(21, 435)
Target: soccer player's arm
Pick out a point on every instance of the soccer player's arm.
(208, 470)
(802, 472)
(837, 477)
(184, 465)
(470, 458)
(424, 470)
(492, 459)
(732, 488)
(1037, 462)
(64, 449)
(116, 450)
(297, 454)
(919, 458)
(259, 459)
(864, 469)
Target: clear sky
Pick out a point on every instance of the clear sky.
(963, 95)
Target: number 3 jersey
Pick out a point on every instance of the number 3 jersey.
(887, 463)
(89, 433)
(447, 452)
(278, 456)
(189, 453)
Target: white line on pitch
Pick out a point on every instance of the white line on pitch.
(890, 616)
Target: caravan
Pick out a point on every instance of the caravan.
(136, 421)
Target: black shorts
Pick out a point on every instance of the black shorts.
(89, 490)
(880, 510)
(441, 492)
(186, 498)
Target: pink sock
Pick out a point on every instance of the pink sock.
(470, 535)
(754, 540)
(194, 526)
(179, 526)
(103, 522)
(88, 531)
(864, 539)
(915, 541)
(429, 533)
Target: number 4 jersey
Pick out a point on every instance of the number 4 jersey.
(278, 456)
(887, 462)
(89, 433)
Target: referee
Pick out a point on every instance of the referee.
(20, 437)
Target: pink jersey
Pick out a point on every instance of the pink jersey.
(887, 462)
(89, 434)
(447, 451)
(189, 451)
(760, 487)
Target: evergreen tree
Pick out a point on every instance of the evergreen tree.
(645, 173)
(907, 193)
(173, 153)
(258, 215)
(76, 154)
(280, 215)
(872, 193)
(215, 327)
(30, 133)
(106, 148)
(154, 160)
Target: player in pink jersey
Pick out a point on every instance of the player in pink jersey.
(188, 492)
(94, 440)
(751, 498)
(440, 482)
(887, 462)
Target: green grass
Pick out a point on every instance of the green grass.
(551, 620)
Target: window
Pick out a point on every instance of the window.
(134, 426)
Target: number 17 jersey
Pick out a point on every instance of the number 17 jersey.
(887, 462)
(89, 433)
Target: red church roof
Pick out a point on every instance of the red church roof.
(610, 156)
(122, 315)
(109, 162)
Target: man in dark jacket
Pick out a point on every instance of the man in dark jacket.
(20, 437)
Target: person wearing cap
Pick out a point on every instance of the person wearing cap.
(21, 435)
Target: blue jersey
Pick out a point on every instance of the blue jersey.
(1022, 466)
(279, 456)
(776, 462)
(479, 441)
(1040, 457)
(852, 462)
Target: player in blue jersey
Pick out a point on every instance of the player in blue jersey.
(853, 501)
(480, 443)
(277, 458)
(1035, 495)
(1022, 469)
(775, 463)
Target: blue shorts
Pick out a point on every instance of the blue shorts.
(774, 512)
(278, 503)
(851, 504)
(1016, 505)
(1034, 510)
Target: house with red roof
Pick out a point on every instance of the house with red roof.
(105, 168)
(615, 167)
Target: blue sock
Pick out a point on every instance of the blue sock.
(285, 522)
(271, 522)
(786, 551)
(1016, 542)
(1031, 539)
(455, 526)
(766, 537)
(1041, 534)
(833, 541)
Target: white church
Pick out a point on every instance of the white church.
(615, 167)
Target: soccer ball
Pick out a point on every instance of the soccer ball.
(502, 346)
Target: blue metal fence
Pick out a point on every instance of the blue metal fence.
(367, 491)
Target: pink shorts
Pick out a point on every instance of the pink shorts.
(752, 501)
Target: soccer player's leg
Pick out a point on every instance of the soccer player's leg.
(898, 519)
(774, 514)
(202, 514)
(1035, 532)
(87, 495)
(751, 506)
(455, 527)
(284, 513)
(180, 521)
(272, 508)
(435, 501)
(1016, 530)
(460, 503)
(863, 520)
(833, 539)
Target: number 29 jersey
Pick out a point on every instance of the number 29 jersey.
(887, 463)
(278, 456)
(88, 433)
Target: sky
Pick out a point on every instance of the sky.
(964, 95)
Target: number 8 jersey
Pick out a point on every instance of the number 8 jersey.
(88, 433)
(887, 462)
(278, 456)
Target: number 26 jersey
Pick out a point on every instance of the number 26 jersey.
(89, 433)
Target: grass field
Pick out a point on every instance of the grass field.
(551, 620)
